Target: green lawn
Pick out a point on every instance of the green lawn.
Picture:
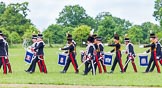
(70, 78)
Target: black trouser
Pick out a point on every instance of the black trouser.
(149, 64)
(117, 59)
(88, 67)
(33, 64)
(71, 58)
(153, 65)
(153, 58)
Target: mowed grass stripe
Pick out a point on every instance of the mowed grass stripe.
(19, 76)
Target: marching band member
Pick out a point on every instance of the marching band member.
(96, 55)
(131, 54)
(158, 53)
(118, 54)
(39, 53)
(100, 52)
(153, 53)
(34, 40)
(3, 53)
(71, 55)
(90, 49)
(7, 59)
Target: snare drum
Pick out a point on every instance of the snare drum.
(62, 59)
(108, 59)
(143, 58)
(29, 56)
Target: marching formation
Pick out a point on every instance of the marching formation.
(92, 58)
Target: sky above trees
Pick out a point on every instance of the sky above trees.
(44, 12)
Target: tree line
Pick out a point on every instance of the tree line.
(74, 19)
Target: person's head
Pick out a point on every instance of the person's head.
(1, 34)
(152, 37)
(98, 39)
(156, 39)
(39, 37)
(116, 38)
(95, 36)
(90, 39)
(34, 38)
(69, 40)
(126, 40)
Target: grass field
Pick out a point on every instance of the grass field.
(19, 76)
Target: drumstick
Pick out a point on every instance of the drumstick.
(127, 62)
(82, 64)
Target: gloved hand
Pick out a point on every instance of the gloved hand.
(123, 51)
(106, 44)
(60, 49)
(130, 58)
(84, 43)
(141, 46)
(144, 52)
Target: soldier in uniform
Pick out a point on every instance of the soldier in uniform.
(34, 40)
(100, 52)
(153, 53)
(130, 54)
(39, 53)
(71, 55)
(7, 59)
(96, 55)
(118, 54)
(90, 49)
(3, 53)
(158, 53)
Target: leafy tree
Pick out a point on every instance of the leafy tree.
(15, 38)
(107, 25)
(2, 7)
(74, 16)
(106, 28)
(29, 32)
(135, 34)
(81, 33)
(158, 11)
(146, 28)
(55, 34)
(14, 18)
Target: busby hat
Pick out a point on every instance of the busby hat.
(34, 36)
(98, 38)
(68, 34)
(116, 36)
(94, 36)
(1, 32)
(152, 35)
(126, 39)
(69, 38)
(40, 36)
(90, 39)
